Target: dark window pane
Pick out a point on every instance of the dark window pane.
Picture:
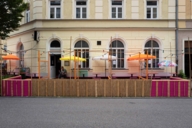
(113, 15)
(81, 43)
(52, 12)
(122, 53)
(78, 14)
(114, 10)
(155, 44)
(57, 2)
(78, 44)
(119, 10)
(119, 15)
(119, 44)
(81, 3)
(84, 12)
(151, 3)
(154, 12)
(55, 43)
(148, 12)
(116, 2)
(148, 44)
(58, 13)
(84, 44)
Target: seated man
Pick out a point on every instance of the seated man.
(62, 73)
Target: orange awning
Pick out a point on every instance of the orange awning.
(141, 56)
(10, 57)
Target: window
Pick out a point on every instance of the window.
(55, 44)
(55, 9)
(21, 55)
(117, 49)
(81, 9)
(82, 50)
(27, 14)
(153, 49)
(152, 9)
(116, 9)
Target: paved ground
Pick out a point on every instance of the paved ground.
(95, 113)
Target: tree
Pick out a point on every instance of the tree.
(10, 16)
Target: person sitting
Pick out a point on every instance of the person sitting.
(62, 73)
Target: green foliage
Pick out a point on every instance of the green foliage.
(182, 74)
(10, 15)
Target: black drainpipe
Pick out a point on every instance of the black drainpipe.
(176, 34)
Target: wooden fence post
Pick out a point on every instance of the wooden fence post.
(126, 88)
(117, 88)
(143, 88)
(95, 88)
(54, 93)
(86, 89)
(78, 89)
(104, 89)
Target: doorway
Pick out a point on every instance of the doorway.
(188, 67)
(55, 54)
(55, 65)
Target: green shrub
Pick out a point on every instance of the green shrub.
(182, 74)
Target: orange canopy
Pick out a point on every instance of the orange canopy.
(141, 56)
(10, 57)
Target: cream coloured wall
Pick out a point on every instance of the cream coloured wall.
(171, 9)
(98, 9)
(91, 5)
(105, 9)
(188, 9)
(141, 10)
(37, 9)
(135, 9)
(67, 9)
(133, 33)
(164, 10)
(44, 9)
(133, 41)
(181, 9)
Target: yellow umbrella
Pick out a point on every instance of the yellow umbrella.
(72, 58)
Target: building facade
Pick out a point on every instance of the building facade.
(93, 28)
(185, 36)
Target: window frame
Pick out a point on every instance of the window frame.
(151, 51)
(152, 7)
(55, 7)
(81, 8)
(117, 49)
(117, 7)
(82, 50)
(27, 14)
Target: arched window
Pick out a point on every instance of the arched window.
(153, 49)
(21, 55)
(82, 50)
(117, 49)
(55, 44)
